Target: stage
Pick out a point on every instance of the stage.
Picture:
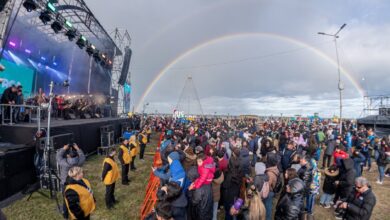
(86, 131)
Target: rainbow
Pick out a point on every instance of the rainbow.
(202, 45)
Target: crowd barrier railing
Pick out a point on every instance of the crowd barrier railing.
(8, 112)
(152, 187)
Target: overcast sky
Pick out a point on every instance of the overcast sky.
(254, 73)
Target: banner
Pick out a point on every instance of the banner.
(17, 75)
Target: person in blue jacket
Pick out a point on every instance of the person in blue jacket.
(175, 173)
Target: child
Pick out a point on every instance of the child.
(329, 187)
(110, 175)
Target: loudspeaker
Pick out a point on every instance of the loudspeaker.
(125, 67)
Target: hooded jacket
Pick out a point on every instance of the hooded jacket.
(291, 204)
(206, 173)
(245, 161)
(176, 171)
(347, 177)
(306, 175)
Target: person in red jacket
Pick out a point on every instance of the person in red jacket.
(206, 170)
(339, 154)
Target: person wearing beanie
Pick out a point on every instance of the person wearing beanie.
(291, 204)
(260, 177)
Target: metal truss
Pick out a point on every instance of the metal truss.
(123, 40)
(81, 18)
(372, 104)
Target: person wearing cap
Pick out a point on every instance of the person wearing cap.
(78, 195)
(68, 157)
(110, 175)
(291, 204)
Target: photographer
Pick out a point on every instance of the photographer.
(67, 157)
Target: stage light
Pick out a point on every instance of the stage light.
(43, 58)
(71, 34)
(56, 26)
(96, 55)
(51, 7)
(91, 49)
(12, 43)
(81, 42)
(68, 24)
(30, 5)
(55, 64)
(45, 17)
(27, 51)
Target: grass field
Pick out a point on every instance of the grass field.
(131, 196)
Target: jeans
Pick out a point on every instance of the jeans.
(268, 205)
(368, 159)
(310, 199)
(215, 210)
(381, 170)
(326, 199)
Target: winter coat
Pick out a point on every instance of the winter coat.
(339, 156)
(330, 147)
(190, 159)
(346, 178)
(233, 179)
(245, 161)
(175, 173)
(206, 173)
(272, 173)
(290, 205)
(259, 181)
(382, 158)
(202, 203)
(306, 175)
(329, 186)
(66, 163)
(216, 185)
(360, 207)
(287, 156)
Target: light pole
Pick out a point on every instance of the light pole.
(340, 84)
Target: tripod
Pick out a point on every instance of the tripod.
(48, 172)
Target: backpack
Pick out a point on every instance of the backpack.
(265, 190)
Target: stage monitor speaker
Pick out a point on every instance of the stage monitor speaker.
(85, 116)
(125, 66)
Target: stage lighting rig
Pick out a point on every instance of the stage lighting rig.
(71, 34)
(30, 5)
(57, 26)
(81, 42)
(45, 16)
(96, 55)
(91, 49)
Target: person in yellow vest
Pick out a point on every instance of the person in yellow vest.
(110, 175)
(143, 140)
(125, 159)
(78, 195)
(148, 133)
(133, 144)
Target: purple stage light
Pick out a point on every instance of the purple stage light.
(12, 43)
(27, 51)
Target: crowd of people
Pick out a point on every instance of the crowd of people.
(252, 169)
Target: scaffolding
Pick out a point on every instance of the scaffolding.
(372, 104)
(123, 40)
(189, 102)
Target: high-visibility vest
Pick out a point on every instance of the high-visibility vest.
(134, 151)
(125, 154)
(86, 200)
(112, 175)
(144, 139)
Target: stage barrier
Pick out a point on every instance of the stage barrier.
(153, 184)
(13, 110)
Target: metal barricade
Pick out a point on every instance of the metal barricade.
(13, 108)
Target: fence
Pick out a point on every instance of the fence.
(11, 111)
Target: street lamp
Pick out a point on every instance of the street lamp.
(340, 84)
